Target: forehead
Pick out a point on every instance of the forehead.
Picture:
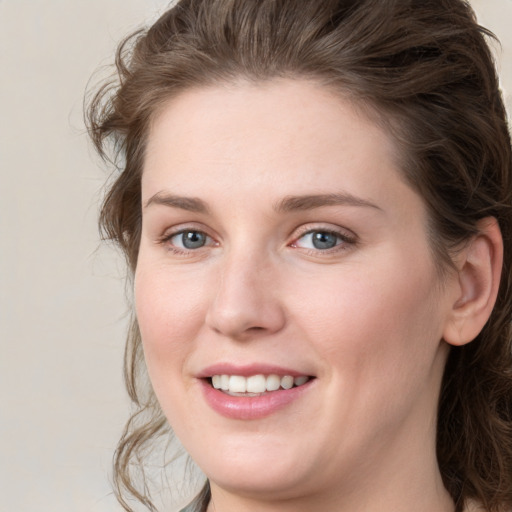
(283, 133)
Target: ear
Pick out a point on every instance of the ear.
(478, 279)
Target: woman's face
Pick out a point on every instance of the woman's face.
(281, 247)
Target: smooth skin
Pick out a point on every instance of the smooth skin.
(230, 271)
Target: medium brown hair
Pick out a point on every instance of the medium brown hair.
(424, 68)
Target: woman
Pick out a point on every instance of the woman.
(315, 205)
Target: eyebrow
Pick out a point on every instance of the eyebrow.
(287, 204)
(309, 202)
(191, 204)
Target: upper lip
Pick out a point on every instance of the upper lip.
(246, 370)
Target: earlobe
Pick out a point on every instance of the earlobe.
(479, 271)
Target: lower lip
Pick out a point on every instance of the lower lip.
(251, 407)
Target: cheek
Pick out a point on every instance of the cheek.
(378, 338)
(380, 326)
(168, 311)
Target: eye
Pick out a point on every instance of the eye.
(321, 240)
(189, 239)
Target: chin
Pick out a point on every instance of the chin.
(253, 483)
(255, 473)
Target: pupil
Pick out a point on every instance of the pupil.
(323, 240)
(193, 239)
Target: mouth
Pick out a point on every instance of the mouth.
(255, 385)
(254, 391)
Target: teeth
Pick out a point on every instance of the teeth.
(216, 381)
(224, 382)
(256, 384)
(237, 384)
(298, 381)
(273, 382)
(287, 382)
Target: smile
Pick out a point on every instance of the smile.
(252, 395)
(255, 385)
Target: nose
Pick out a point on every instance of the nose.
(246, 303)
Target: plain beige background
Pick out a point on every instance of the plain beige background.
(62, 312)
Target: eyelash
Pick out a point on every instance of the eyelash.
(344, 241)
(166, 240)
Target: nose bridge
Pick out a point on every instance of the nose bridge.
(246, 301)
